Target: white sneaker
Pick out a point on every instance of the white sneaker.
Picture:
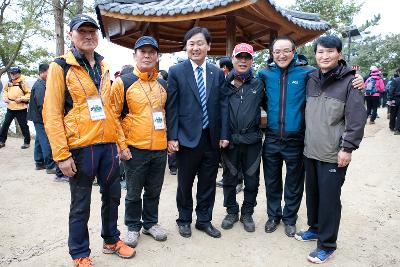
(132, 238)
(156, 232)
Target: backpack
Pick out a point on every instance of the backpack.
(370, 89)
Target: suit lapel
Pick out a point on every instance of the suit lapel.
(209, 80)
(188, 69)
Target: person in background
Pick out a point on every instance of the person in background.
(16, 95)
(373, 87)
(171, 156)
(42, 152)
(394, 103)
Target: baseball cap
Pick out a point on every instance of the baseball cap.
(81, 19)
(243, 48)
(15, 69)
(146, 40)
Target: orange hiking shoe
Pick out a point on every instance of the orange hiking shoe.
(119, 248)
(83, 262)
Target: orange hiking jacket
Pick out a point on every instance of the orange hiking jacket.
(143, 97)
(12, 91)
(76, 129)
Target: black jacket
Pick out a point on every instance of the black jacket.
(36, 101)
(394, 89)
(244, 110)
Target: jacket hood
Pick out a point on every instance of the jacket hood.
(298, 60)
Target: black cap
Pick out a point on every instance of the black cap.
(15, 69)
(81, 19)
(146, 40)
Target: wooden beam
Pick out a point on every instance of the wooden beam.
(259, 34)
(181, 17)
(144, 28)
(255, 18)
(230, 34)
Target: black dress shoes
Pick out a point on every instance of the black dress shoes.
(290, 230)
(209, 230)
(271, 225)
(184, 230)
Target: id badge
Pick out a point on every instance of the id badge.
(96, 109)
(158, 120)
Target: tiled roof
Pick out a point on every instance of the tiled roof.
(310, 21)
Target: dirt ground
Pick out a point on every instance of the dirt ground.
(34, 218)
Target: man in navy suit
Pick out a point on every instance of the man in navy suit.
(197, 123)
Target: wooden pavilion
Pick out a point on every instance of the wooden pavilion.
(256, 22)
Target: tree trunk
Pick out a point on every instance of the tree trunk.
(59, 26)
(79, 6)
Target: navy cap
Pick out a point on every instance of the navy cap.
(81, 19)
(146, 40)
(15, 69)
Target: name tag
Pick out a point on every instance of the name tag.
(96, 109)
(158, 120)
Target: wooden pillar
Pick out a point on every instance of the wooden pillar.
(230, 34)
(153, 29)
(272, 36)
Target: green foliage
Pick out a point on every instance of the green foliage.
(22, 22)
(337, 13)
(383, 52)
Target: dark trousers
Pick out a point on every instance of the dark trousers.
(372, 106)
(394, 119)
(383, 99)
(42, 152)
(249, 158)
(323, 189)
(99, 161)
(145, 170)
(23, 124)
(276, 151)
(172, 162)
(203, 162)
(225, 171)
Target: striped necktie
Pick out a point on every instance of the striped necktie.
(202, 92)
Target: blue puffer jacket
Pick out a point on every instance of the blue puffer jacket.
(286, 96)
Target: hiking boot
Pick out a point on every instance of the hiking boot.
(40, 167)
(306, 236)
(156, 232)
(120, 249)
(220, 183)
(83, 262)
(62, 179)
(173, 172)
(248, 223)
(2, 144)
(396, 133)
(229, 221)
(25, 146)
(371, 122)
(131, 238)
(51, 171)
(271, 225)
(320, 255)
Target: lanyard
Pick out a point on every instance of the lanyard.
(151, 105)
(83, 88)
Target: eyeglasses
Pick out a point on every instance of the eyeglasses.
(283, 52)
